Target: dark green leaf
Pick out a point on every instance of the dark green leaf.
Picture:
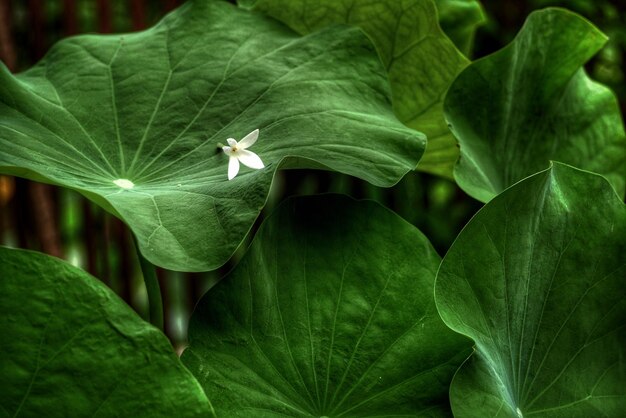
(421, 61)
(532, 102)
(459, 19)
(537, 280)
(151, 107)
(330, 313)
(71, 348)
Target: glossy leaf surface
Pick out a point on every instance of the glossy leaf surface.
(537, 280)
(71, 348)
(151, 107)
(532, 102)
(330, 313)
(420, 59)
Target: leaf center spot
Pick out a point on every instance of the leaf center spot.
(124, 183)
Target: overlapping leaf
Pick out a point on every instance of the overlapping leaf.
(330, 313)
(460, 19)
(71, 348)
(421, 61)
(532, 102)
(537, 280)
(150, 108)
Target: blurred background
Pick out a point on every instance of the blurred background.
(62, 223)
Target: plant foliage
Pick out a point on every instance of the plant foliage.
(338, 308)
(150, 108)
(71, 348)
(536, 279)
(532, 102)
(420, 59)
(308, 325)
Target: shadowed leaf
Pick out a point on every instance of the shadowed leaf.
(330, 313)
(71, 348)
(459, 19)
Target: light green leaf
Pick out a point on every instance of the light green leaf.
(537, 280)
(150, 107)
(330, 313)
(460, 19)
(71, 348)
(421, 61)
(532, 102)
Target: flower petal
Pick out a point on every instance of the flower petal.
(233, 167)
(249, 159)
(227, 150)
(232, 142)
(249, 139)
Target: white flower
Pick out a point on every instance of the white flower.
(237, 151)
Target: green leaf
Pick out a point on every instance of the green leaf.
(150, 107)
(537, 280)
(330, 313)
(459, 19)
(71, 348)
(532, 102)
(420, 59)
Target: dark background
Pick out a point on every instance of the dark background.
(62, 223)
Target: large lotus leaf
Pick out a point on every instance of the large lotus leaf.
(421, 61)
(532, 102)
(330, 313)
(537, 280)
(459, 19)
(71, 348)
(150, 107)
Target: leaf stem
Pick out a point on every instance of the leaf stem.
(155, 302)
